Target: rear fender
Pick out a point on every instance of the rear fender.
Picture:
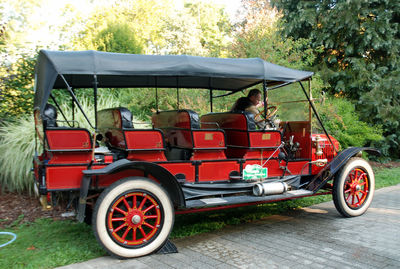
(167, 180)
(335, 165)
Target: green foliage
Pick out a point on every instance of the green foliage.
(117, 37)
(258, 36)
(213, 24)
(357, 41)
(17, 145)
(382, 106)
(104, 32)
(14, 25)
(16, 88)
(157, 27)
(357, 45)
(340, 118)
(140, 18)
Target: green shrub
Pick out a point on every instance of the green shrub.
(342, 121)
(17, 144)
(16, 87)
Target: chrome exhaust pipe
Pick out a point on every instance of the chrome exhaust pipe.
(269, 188)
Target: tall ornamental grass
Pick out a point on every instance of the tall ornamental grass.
(17, 144)
(17, 147)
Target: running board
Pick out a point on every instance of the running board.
(244, 199)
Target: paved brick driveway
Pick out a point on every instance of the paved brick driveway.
(313, 237)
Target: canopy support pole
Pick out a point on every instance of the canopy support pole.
(156, 96)
(265, 101)
(73, 109)
(317, 116)
(177, 92)
(211, 95)
(76, 100)
(95, 83)
(59, 109)
(211, 100)
(309, 107)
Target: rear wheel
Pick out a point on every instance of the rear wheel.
(353, 188)
(133, 217)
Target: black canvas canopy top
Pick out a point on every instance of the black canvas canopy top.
(79, 69)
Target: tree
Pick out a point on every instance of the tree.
(141, 20)
(258, 36)
(182, 35)
(16, 89)
(162, 27)
(117, 37)
(214, 26)
(358, 46)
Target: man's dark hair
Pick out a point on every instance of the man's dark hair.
(244, 102)
(253, 92)
(241, 104)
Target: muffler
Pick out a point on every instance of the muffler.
(269, 188)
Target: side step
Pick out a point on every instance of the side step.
(243, 199)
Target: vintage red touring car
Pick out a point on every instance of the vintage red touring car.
(140, 178)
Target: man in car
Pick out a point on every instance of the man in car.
(250, 104)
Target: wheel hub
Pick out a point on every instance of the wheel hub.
(136, 219)
(355, 187)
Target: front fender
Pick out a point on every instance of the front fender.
(334, 166)
(346, 154)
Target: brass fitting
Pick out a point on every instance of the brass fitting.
(43, 202)
(318, 152)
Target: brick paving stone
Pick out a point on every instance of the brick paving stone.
(152, 262)
(225, 266)
(199, 257)
(171, 261)
(131, 264)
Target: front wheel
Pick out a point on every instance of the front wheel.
(353, 188)
(133, 217)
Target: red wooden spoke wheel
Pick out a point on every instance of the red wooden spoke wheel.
(353, 188)
(133, 217)
(356, 188)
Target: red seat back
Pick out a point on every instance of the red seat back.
(68, 139)
(243, 140)
(68, 145)
(116, 125)
(145, 145)
(177, 126)
(182, 130)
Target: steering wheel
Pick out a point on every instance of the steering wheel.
(271, 111)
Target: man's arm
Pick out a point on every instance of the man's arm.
(258, 119)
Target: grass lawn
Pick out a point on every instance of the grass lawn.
(46, 243)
